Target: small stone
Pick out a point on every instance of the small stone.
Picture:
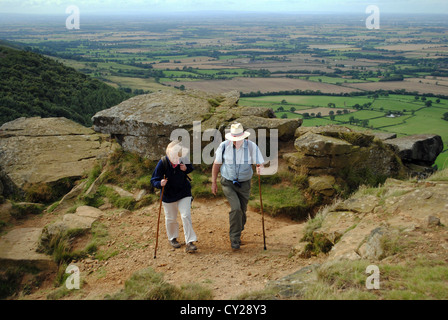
(433, 221)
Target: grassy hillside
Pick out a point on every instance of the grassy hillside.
(34, 85)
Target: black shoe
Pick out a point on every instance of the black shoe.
(175, 244)
(235, 245)
(190, 248)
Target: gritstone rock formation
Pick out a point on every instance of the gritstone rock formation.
(45, 150)
(334, 149)
(144, 123)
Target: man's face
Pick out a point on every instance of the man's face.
(238, 144)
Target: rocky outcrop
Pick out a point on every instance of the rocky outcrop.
(335, 150)
(358, 227)
(144, 124)
(19, 248)
(46, 150)
(385, 226)
(343, 153)
(421, 149)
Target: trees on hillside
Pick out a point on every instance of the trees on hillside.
(34, 85)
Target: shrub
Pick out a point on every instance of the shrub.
(21, 210)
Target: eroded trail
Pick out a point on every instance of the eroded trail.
(228, 273)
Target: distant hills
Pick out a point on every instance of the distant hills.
(34, 85)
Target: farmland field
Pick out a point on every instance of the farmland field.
(417, 119)
(323, 111)
(410, 85)
(263, 85)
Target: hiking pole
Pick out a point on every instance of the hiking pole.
(262, 212)
(158, 221)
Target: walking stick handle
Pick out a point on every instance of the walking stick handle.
(158, 221)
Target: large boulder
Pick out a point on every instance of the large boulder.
(421, 149)
(143, 124)
(337, 149)
(46, 150)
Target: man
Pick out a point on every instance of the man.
(171, 173)
(234, 159)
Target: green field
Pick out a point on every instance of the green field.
(415, 118)
(332, 80)
(307, 101)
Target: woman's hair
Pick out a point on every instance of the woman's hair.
(175, 148)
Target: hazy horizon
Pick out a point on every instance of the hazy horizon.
(126, 7)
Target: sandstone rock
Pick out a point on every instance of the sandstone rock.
(359, 205)
(419, 149)
(44, 150)
(18, 247)
(95, 184)
(257, 111)
(323, 185)
(8, 186)
(384, 135)
(68, 200)
(285, 127)
(317, 145)
(335, 225)
(87, 211)
(341, 151)
(321, 130)
(347, 246)
(300, 250)
(372, 248)
(362, 153)
(140, 194)
(121, 192)
(82, 219)
(295, 285)
(144, 124)
(299, 159)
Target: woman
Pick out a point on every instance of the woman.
(171, 173)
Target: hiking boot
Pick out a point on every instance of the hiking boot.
(174, 243)
(235, 245)
(190, 248)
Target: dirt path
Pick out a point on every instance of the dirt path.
(226, 272)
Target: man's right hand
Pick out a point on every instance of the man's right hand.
(214, 188)
(163, 182)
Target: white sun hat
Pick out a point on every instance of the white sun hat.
(237, 133)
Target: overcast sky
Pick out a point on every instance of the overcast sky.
(155, 6)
